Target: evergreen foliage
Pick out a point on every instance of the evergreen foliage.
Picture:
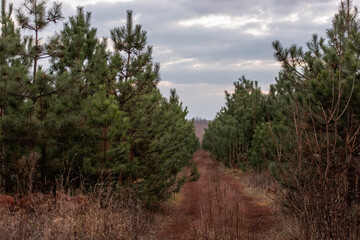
(235, 135)
(307, 129)
(93, 114)
(319, 166)
(12, 71)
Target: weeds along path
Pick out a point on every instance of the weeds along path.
(215, 207)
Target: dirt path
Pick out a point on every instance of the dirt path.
(215, 207)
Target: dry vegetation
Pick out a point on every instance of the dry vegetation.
(254, 215)
(100, 215)
(223, 204)
(226, 204)
(262, 187)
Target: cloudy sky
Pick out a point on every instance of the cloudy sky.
(203, 46)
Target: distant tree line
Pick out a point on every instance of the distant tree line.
(306, 130)
(92, 114)
(235, 136)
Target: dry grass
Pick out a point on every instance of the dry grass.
(237, 207)
(256, 214)
(105, 214)
(222, 214)
(100, 215)
(262, 187)
(175, 199)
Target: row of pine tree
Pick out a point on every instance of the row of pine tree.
(72, 111)
(306, 130)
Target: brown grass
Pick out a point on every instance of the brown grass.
(222, 214)
(229, 212)
(224, 204)
(256, 214)
(102, 214)
(262, 187)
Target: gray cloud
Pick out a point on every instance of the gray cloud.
(214, 42)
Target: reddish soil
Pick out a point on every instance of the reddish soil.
(216, 207)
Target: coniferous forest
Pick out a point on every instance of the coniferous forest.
(305, 130)
(88, 113)
(89, 143)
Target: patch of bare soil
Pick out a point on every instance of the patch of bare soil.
(216, 207)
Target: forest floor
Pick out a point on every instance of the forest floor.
(219, 206)
(222, 204)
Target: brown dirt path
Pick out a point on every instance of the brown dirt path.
(216, 207)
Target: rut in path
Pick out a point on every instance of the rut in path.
(216, 207)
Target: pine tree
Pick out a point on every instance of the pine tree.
(35, 17)
(11, 71)
(79, 64)
(105, 129)
(318, 165)
(93, 113)
(173, 143)
(230, 136)
(155, 156)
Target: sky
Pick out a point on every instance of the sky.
(204, 46)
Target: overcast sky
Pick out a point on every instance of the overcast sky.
(203, 46)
